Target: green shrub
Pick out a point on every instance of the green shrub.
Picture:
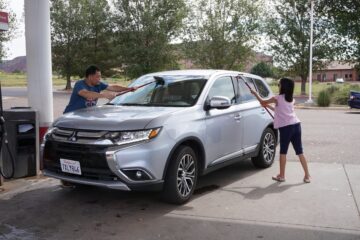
(342, 95)
(324, 98)
(332, 89)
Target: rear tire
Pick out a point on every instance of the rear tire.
(267, 150)
(181, 176)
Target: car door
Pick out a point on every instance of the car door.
(222, 126)
(253, 115)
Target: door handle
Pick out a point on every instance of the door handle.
(238, 117)
(263, 111)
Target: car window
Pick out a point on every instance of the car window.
(223, 86)
(182, 91)
(245, 94)
(262, 89)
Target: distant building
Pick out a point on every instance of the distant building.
(335, 70)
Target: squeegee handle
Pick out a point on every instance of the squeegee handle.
(126, 91)
(263, 106)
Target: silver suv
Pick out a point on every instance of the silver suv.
(180, 125)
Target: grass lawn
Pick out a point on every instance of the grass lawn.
(316, 87)
(19, 80)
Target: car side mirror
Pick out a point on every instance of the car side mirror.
(219, 102)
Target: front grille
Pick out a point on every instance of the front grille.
(79, 136)
(92, 159)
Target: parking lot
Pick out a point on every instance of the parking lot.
(237, 202)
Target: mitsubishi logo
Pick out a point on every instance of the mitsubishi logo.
(72, 138)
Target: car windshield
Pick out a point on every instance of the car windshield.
(168, 91)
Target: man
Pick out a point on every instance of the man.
(86, 92)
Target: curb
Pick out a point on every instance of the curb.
(342, 108)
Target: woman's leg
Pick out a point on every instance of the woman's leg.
(282, 165)
(297, 144)
(285, 137)
(304, 165)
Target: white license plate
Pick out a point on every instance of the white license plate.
(70, 166)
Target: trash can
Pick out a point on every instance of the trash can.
(22, 130)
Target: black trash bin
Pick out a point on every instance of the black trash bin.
(21, 129)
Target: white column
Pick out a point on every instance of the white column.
(38, 60)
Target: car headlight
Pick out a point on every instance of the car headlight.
(48, 133)
(121, 138)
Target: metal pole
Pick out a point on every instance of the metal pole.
(38, 61)
(310, 101)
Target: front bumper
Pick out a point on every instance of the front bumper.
(106, 184)
(108, 166)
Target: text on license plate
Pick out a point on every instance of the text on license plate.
(70, 166)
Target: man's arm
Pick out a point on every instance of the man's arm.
(117, 88)
(94, 95)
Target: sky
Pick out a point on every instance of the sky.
(16, 47)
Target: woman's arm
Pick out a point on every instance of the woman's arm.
(263, 102)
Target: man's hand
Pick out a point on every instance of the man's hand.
(133, 89)
(108, 95)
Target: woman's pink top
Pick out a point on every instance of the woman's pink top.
(284, 112)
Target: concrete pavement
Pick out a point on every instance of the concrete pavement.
(238, 202)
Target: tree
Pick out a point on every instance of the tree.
(6, 36)
(346, 16)
(262, 69)
(68, 28)
(289, 31)
(81, 35)
(220, 33)
(144, 29)
(98, 41)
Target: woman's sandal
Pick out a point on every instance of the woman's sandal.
(307, 180)
(278, 178)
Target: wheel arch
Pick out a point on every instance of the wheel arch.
(196, 144)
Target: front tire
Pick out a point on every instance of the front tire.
(181, 176)
(267, 150)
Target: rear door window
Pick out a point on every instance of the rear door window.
(244, 93)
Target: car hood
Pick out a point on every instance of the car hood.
(113, 118)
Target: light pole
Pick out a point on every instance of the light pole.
(310, 101)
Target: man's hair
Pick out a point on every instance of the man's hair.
(91, 70)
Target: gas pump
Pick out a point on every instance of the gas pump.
(4, 143)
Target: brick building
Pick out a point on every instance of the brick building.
(335, 70)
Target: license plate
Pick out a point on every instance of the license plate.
(70, 166)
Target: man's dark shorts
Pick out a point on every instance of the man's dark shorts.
(291, 133)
